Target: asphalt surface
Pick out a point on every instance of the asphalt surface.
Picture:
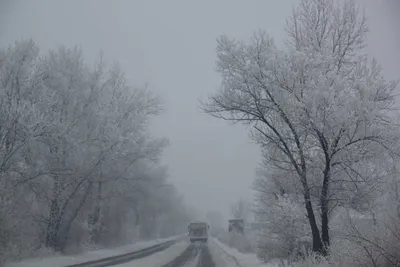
(196, 255)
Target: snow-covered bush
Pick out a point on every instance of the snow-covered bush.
(243, 243)
(285, 232)
(360, 239)
(372, 238)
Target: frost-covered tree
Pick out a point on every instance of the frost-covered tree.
(318, 107)
(77, 162)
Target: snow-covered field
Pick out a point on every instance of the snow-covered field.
(92, 255)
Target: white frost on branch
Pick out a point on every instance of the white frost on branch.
(78, 164)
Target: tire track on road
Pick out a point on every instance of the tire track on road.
(188, 254)
(196, 255)
(227, 255)
(205, 259)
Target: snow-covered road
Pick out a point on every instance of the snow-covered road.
(210, 254)
(59, 261)
(160, 258)
(180, 254)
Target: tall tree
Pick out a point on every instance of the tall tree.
(77, 161)
(317, 108)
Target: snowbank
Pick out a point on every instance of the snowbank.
(220, 251)
(232, 257)
(92, 255)
(243, 243)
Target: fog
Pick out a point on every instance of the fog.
(170, 45)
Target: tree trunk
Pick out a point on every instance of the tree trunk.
(324, 207)
(95, 217)
(53, 223)
(317, 243)
(325, 226)
(316, 237)
(63, 241)
(137, 215)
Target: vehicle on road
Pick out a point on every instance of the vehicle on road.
(236, 226)
(198, 231)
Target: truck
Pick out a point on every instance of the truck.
(198, 231)
(236, 226)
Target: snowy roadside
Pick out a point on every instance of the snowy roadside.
(232, 257)
(55, 261)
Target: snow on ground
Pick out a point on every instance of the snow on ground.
(225, 256)
(159, 258)
(89, 256)
(220, 258)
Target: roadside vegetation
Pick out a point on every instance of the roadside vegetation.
(324, 116)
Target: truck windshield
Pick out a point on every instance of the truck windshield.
(198, 232)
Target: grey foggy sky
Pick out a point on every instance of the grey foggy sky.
(170, 44)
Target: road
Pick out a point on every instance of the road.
(185, 254)
(175, 252)
(195, 255)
